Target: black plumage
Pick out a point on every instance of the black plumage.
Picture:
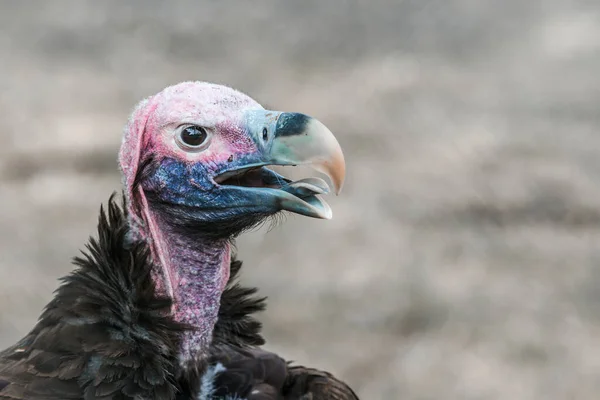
(108, 335)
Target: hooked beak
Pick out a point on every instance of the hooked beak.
(290, 139)
(297, 139)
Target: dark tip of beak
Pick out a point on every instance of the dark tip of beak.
(291, 124)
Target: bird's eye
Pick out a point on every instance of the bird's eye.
(192, 138)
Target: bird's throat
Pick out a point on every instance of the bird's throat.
(194, 274)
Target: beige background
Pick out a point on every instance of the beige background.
(463, 258)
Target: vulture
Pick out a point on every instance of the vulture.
(153, 309)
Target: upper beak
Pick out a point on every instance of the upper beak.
(297, 139)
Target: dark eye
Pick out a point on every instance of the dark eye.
(193, 138)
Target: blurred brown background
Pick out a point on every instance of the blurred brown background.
(463, 258)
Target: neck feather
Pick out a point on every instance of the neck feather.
(194, 273)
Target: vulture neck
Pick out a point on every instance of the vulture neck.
(194, 273)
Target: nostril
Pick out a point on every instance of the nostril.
(265, 134)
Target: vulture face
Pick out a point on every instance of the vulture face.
(195, 163)
(199, 152)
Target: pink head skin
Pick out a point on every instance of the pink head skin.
(194, 277)
(151, 125)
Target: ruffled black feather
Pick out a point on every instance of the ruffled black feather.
(108, 335)
(236, 325)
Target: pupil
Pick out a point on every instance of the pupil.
(193, 136)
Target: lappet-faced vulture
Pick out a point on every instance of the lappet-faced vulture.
(152, 310)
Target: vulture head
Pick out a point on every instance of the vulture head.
(195, 161)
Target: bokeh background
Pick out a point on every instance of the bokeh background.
(463, 258)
